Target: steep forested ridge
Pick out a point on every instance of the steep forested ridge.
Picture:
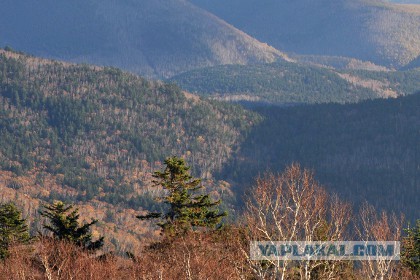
(101, 129)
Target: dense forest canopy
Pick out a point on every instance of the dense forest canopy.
(285, 82)
(87, 133)
(286, 121)
(95, 135)
(366, 151)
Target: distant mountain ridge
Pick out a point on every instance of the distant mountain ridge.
(371, 30)
(163, 38)
(406, 1)
(284, 82)
(154, 38)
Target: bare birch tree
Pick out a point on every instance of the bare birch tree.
(375, 226)
(293, 207)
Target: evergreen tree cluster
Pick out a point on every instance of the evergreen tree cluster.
(411, 248)
(186, 210)
(64, 225)
(13, 228)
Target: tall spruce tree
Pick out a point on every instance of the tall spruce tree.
(411, 249)
(64, 224)
(13, 229)
(187, 210)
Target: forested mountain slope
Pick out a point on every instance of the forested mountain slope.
(150, 37)
(372, 30)
(285, 82)
(54, 112)
(87, 134)
(365, 151)
(94, 136)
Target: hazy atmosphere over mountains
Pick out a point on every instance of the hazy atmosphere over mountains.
(162, 38)
(149, 37)
(303, 113)
(366, 29)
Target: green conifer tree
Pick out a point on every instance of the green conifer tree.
(13, 228)
(186, 209)
(63, 223)
(411, 249)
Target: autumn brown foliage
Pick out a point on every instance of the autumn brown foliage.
(195, 256)
(288, 206)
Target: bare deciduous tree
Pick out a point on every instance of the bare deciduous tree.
(294, 207)
(376, 226)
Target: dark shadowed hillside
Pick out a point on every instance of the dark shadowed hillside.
(366, 151)
(149, 37)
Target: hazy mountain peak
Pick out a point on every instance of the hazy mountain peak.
(150, 37)
(372, 30)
